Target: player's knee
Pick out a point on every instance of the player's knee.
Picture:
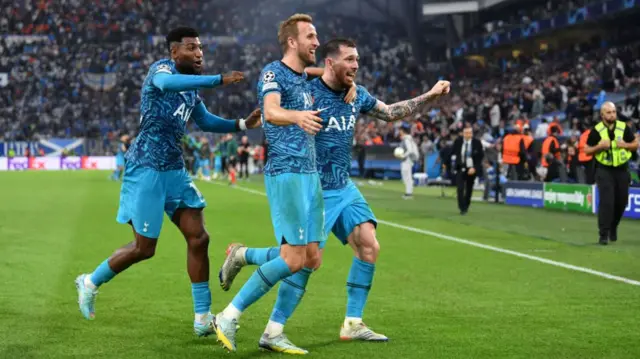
(143, 253)
(294, 256)
(313, 260)
(199, 241)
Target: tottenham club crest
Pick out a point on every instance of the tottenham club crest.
(268, 76)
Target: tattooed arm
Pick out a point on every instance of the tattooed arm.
(400, 110)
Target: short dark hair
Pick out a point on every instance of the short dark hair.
(332, 47)
(177, 34)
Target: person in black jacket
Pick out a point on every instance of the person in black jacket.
(468, 155)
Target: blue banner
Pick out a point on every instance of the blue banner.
(633, 206)
(527, 194)
(50, 147)
(577, 16)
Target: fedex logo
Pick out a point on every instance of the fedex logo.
(71, 163)
(88, 163)
(37, 164)
(18, 164)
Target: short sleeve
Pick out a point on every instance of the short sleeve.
(368, 101)
(271, 80)
(594, 138)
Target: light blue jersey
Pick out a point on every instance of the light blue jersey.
(163, 121)
(345, 207)
(335, 140)
(155, 180)
(291, 150)
(291, 179)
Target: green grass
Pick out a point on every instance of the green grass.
(434, 298)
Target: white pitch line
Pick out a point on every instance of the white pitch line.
(487, 247)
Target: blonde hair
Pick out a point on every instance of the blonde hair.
(289, 28)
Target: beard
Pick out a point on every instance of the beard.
(187, 69)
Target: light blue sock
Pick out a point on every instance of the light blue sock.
(290, 294)
(260, 282)
(260, 256)
(358, 286)
(201, 297)
(102, 274)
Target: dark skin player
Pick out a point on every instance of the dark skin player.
(189, 60)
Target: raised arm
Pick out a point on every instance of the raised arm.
(209, 122)
(179, 82)
(400, 110)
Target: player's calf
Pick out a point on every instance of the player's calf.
(87, 284)
(366, 250)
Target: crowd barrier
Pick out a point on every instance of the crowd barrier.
(57, 163)
(564, 196)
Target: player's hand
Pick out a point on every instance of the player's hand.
(254, 119)
(441, 88)
(605, 144)
(233, 77)
(351, 94)
(621, 144)
(471, 171)
(309, 121)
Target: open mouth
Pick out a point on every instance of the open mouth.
(197, 64)
(351, 76)
(312, 52)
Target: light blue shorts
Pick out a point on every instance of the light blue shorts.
(297, 208)
(345, 209)
(120, 159)
(147, 193)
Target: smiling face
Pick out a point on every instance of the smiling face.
(298, 34)
(306, 43)
(344, 65)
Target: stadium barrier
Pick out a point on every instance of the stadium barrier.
(569, 197)
(57, 163)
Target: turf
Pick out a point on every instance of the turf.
(434, 298)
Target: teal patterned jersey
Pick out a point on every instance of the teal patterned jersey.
(335, 140)
(291, 150)
(163, 121)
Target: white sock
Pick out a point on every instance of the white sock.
(349, 321)
(202, 317)
(88, 283)
(274, 329)
(241, 253)
(231, 312)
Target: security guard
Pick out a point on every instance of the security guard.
(611, 142)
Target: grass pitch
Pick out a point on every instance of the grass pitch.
(434, 297)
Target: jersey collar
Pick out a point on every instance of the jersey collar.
(290, 69)
(337, 92)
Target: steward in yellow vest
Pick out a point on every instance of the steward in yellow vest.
(611, 143)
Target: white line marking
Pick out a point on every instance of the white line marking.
(488, 247)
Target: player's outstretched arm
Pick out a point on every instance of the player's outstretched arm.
(209, 122)
(179, 82)
(400, 110)
(276, 115)
(314, 71)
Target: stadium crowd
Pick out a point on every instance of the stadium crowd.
(77, 68)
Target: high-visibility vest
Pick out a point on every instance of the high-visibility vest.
(582, 156)
(556, 125)
(511, 149)
(546, 147)
(616, 156)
